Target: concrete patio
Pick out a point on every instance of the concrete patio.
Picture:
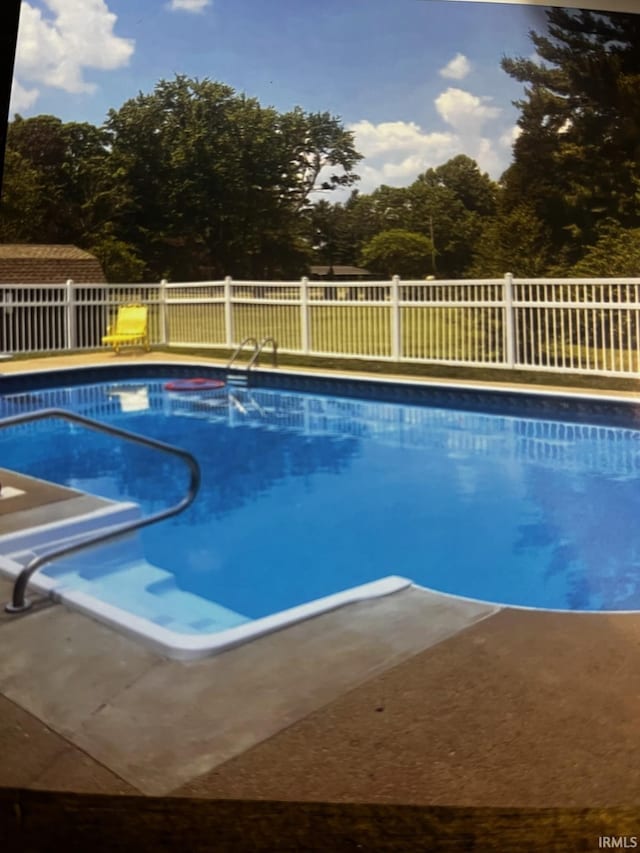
(414, 698)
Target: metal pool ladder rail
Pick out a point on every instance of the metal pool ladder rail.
(243, 343)
(261, 346)
(19, 603)
(257, 349)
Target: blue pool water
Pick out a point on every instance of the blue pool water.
(304, 495)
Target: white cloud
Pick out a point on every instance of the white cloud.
(396, 152)
(375, 139)
(56, 50)
(509, 136)
(468, 115)
(189, 5)
(457, 68)
(489, 157)
(465, 112)
(21, 98)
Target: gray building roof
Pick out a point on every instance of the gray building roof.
(339, 270)
(25, 263)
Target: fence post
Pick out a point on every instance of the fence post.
(509, 321)
(162, 302)
(304, 314)
(71, 337)
(396, 331)
(228, 313)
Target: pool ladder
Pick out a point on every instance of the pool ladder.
(240, 378)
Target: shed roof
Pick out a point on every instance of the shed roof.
(35, 250)
(31, 263)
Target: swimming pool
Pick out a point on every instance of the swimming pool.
(311, 489)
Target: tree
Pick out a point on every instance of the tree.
(38, 145)
(119, 261)
(472, 188)
(313, 144)
(330, 233)
(218, 182)
(437, 213)
(616, 253)
(398, 252)
(94, 194)
(577, 160)
(516, 241)
(60, 185)
(162, 149)
(23, 199)
(447, 205)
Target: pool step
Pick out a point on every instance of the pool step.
(238, 380)
(119, 575)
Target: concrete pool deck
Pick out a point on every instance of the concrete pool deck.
(158, 724)
(26, 502)
(412, 698)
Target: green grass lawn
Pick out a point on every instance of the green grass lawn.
(428, 333)
(454, 334)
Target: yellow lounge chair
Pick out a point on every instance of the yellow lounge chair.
(130, 327)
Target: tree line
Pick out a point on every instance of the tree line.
(196, 181)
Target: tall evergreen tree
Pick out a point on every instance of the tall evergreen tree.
(577, 160)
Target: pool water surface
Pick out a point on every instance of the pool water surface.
(304, 495)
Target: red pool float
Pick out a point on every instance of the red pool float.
(197, 384)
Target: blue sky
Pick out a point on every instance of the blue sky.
(418, 81)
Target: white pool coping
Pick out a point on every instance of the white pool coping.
(9, 492)
(411, 382)
(479, 387)
(32, 540)
(181, 646)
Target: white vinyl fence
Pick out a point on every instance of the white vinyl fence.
(570, 325)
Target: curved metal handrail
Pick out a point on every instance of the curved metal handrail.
(241, 346)
(18, 601)
(260, 347)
